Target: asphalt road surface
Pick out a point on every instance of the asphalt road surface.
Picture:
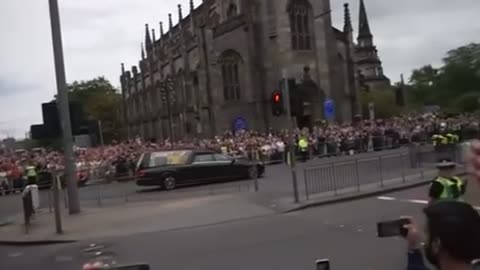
(276, 183)
(345, 233)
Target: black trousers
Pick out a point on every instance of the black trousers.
(304, 156)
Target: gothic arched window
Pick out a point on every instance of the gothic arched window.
(299, 13)
(232, 11)
(230, 62)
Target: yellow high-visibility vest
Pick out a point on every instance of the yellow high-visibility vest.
(448, 186)
(303, 144)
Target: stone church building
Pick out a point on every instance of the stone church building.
(216, 69)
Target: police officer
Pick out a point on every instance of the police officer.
(452, 138)
(446, 186)
(444, 142)
(303, 147)
(31, 173)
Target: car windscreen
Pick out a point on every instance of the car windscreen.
(168, 158)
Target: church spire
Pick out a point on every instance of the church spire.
(347, 24)
(180, 15)
(153, 35)
(161, 30)
(363, 26)
(170, 22)
(143, 51)
(148, 40)
(191, 6)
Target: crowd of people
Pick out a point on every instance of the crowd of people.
(326, 139)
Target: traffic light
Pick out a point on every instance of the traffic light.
(277, 103)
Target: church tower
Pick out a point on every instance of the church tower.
(366, 54)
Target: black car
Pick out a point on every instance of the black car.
(170, 169)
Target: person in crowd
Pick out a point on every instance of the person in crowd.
(324, 140)
(303, 147)
(31, 173)
(452, 239)
(446, 186)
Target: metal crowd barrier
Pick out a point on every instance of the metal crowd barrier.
(350, 175)
(326, 150)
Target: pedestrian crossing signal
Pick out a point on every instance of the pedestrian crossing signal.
(276, 98)
(277, 103)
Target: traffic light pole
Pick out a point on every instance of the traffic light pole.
(291, 143)
(63, 109)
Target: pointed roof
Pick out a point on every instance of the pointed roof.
(148, 40)
(347, 24)
(170, 22)
(363, 25)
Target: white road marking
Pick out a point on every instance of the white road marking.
(386, 198)
(15, 254)
(418, 201)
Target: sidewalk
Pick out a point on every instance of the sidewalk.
(94, 223)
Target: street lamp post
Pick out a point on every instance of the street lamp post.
(291, 142)
(63, 109)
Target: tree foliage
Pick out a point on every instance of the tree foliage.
(454, 86)
(384, 103)
(100, 101)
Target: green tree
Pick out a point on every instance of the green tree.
(384, 103)
(100, 101)
(454, 86)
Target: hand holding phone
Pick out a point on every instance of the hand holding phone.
(393, 228)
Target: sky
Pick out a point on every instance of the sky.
(100, 34)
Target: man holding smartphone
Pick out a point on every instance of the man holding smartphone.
(452, 237)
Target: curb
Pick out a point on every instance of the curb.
(360, 195)
(35, 243)
(5, 223)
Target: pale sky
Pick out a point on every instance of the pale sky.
(100, 34)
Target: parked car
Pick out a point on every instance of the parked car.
(169, 169)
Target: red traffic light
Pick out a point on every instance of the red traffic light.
(276, 97)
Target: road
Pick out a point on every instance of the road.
(345, 233)
(276, 183)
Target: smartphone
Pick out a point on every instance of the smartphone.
(392, 228)
(323, 264)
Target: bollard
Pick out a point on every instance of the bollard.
(27, 208)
